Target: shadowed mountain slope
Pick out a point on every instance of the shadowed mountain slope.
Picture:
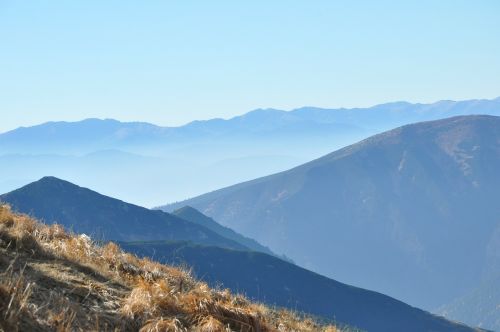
(479, 307)
(190, 214)
(85, 211)
(277, 281)
(412, 212)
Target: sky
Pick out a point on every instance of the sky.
(170, 62)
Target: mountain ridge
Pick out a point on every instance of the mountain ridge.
(85, 211)
(345, 116)
(384, 191)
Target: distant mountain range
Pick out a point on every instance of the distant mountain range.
(412, 212)
(206, 155)
(270, 124)
(225, 262)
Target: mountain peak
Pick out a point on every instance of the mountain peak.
(52, 179)
(189, 210)
(53, 186)
(85, 211)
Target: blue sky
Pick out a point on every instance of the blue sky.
(170, 62)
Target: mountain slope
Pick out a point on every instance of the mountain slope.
(411, 212)
(85, 211)
(270, 280)
(190, 214)
(479, 307)
(277, 280)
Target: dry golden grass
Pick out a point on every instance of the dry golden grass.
(54, 280)
(14, 299)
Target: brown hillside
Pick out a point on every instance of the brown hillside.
(51, 280)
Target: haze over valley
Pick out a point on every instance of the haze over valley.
(174, 163)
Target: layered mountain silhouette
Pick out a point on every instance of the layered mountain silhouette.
(81, 210)
(94, 134)
(412, 212)
(224, 262)
(274, 281)
(172, 163)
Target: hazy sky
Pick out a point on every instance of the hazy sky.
(170, 62)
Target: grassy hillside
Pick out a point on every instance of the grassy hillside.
(51, 280)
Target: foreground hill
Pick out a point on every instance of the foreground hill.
(85, 211)
(54, 281)
(270, 280)
(412, 212)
